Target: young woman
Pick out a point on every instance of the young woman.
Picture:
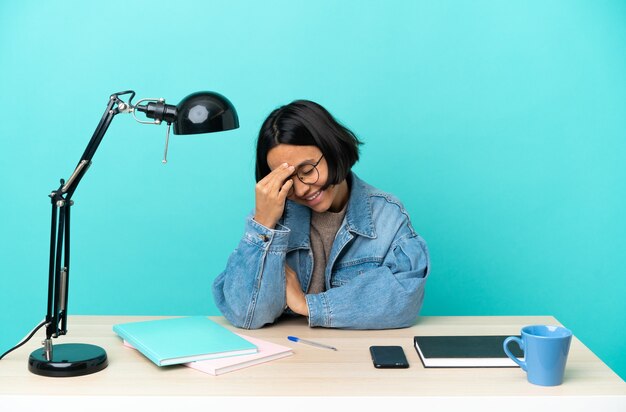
(321, 242)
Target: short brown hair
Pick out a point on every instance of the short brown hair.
(306, 123)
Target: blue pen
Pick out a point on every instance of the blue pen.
(308, 342)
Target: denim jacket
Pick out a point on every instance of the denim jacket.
(375, 275)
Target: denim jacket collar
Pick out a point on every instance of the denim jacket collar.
(359, 214)
(358, 218)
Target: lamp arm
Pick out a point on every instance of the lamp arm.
(114, 107)
(59, 268)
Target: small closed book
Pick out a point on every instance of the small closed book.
(465, 351)
(180, 340)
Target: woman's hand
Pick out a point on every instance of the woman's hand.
(271, 193)
(295, 297)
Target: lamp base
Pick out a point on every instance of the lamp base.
(68, 359)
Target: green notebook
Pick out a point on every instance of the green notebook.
(180, 340)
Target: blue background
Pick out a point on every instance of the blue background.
(501, 125)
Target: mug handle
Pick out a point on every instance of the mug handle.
(521, 364)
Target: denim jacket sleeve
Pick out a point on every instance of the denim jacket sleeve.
(251, 291)
(388, 296)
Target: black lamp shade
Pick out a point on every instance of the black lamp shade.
(205, 112)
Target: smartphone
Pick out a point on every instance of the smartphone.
(388, 357)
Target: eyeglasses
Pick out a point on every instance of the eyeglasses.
(307, 173)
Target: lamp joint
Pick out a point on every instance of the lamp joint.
(47, 349)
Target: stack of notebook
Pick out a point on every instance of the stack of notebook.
(197, 342)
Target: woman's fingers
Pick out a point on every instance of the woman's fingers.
(284, 191)
(271, 192)
(277, 177)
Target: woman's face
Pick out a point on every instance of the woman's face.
(333, 198)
